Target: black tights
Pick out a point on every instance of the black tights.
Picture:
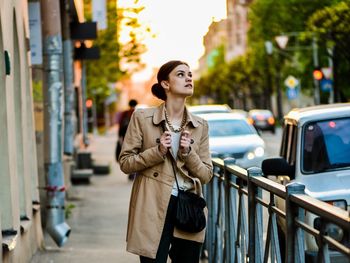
(181, 251)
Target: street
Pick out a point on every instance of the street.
(99, 218)
(272, 141)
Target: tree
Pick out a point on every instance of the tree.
(118, 59)
(257, 75)
(333, 25)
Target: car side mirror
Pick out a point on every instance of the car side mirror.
(277, 166)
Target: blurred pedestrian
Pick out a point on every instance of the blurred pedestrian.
(161, 143)
(123, 122)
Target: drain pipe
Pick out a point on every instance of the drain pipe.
(56, 226)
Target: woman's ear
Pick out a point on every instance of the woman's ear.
(165, 84)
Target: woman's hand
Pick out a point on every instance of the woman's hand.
(165, 142)
(185, 142)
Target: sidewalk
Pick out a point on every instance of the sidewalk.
(99, 219)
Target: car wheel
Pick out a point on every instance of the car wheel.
(273, 130)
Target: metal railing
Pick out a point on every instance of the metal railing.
(236, 229)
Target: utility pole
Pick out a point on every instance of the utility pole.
(69, 116)
(278, 90)
(84, 110)
(314, 49)
(331, 66)
(316, 65)
(53, 102)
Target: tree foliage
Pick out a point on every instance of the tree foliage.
(255, 73)
(332, 25)
(118, 59)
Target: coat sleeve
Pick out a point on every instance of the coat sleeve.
(131, 159)
(199, 164)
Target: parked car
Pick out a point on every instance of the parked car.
(230, 135)
(209, 108)
(315, 151)
(262, 119)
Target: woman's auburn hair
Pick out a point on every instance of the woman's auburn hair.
(163, 74)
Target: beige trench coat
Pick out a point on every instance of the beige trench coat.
(152, 186)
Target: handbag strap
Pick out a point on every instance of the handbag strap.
(163, 127)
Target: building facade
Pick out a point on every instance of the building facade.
(37, 51)
(215, 37)
(237, 27)
(20, 221)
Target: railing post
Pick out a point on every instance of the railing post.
(252, 193)
(212, 216)
(291, 213)
(229, 226)
(220, 223)
(210, 240)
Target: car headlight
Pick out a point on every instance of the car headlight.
(258, 152)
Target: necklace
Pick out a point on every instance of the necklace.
(183, 122)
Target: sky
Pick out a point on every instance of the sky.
(179, 26)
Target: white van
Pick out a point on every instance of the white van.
(315, 151)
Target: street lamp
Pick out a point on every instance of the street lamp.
(268, 89)
(269, 50)
(282, 41)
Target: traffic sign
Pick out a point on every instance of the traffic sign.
(326, 85)
(292, 94)
(282, 41)
(291, 82)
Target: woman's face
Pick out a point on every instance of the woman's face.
(180, 81)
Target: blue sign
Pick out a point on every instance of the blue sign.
(326, 85)
(292, 94)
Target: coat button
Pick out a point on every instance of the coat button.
(155, 174)
(158, 140)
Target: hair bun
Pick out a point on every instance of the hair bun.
(158, 91)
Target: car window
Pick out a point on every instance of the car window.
(284, 145)
(293, 145)
(210, 111)
(262, 113)
(224, 128)
(326, 145)
(289, 142)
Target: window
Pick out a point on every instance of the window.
(225, 128)
(30, 153)
(5, 171)
(21, 129)
(326, 145)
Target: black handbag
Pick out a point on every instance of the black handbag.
(190, 215)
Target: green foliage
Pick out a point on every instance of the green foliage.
(68, 210)
(333, 24)
(117, 60)
(255, 73)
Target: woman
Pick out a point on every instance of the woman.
(156, 139)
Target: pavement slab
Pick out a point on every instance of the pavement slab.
(99, 218)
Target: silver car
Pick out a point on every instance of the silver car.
(209, 108)
(230, 135)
